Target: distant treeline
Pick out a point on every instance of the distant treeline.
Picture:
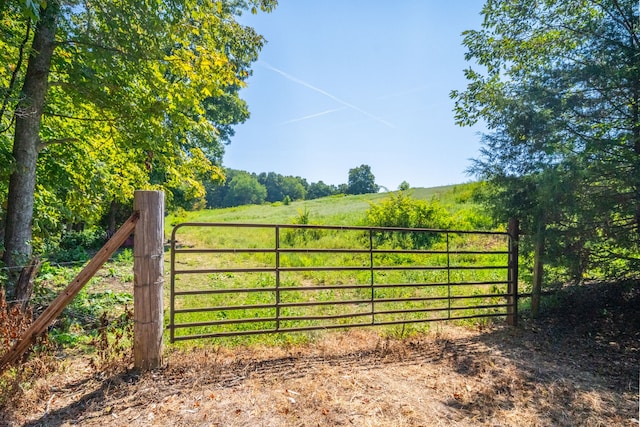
(244, 188)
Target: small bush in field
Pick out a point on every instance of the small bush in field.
(300, 235)
(401, 210)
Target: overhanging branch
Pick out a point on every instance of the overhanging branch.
(44, 144)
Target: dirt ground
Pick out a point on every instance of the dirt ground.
(578, 366)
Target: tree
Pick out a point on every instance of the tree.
(558, 87)
(320, 189)
(273, 183)
(28, 118)
(343, 189)
(361, 181)
(294, 187)
(244, 189)
(279, 186)
(125, 91)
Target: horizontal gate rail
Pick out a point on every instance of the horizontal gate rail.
(347, 268)
(342, 287)
(340, 302)
(333, 287)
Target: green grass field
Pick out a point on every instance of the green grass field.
(350, 290)
(222, 300)
(334, 210)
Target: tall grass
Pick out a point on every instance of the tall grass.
(333, 210)
(425, 285)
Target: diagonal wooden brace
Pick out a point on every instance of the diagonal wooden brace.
(62, 300)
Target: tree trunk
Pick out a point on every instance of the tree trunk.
(635, 124)
(635, 119)
(26, 143)
(24, 286)
(112, 217)
(536, 286)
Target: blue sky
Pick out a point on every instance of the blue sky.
(342, 83)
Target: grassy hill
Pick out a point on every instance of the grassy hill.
(109, 293)
(208, 280)
(333, 210)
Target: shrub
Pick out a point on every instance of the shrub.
(472, 219)
(401, 210)
(300, 236)
(91, 238)
(74, 245)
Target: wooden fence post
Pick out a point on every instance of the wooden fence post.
(512, 310)
(148, 279)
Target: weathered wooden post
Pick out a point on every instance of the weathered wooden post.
(148, 279)
(512, 288)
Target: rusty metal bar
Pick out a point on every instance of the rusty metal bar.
(339, 302)
(343, 268)
(329, 327)
(336, 227)
(172, 287)
(372, 282)
(334, 287)
(278, 320)
(335, 250)
(277, 229)
(514, 234)
(448, 277)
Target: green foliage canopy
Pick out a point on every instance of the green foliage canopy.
(320, 189)
(362, 181)
(135, 95)
(279, 186)
(401, 210)
(244, 189)
(557, 84)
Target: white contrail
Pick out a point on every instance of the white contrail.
(325, 93)
(311, 116)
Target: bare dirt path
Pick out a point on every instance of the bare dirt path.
(452, 378)
(562, 371)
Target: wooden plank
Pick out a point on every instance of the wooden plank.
(148, 279)
(62, 300)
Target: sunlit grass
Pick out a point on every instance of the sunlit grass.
(270, 299)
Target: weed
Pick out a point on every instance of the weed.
(13, 322)
(301, 235)
(16, 380)
(125, 257)
(113, 342)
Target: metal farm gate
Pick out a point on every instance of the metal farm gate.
(242, 279)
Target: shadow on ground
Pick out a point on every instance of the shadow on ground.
(577, 364)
